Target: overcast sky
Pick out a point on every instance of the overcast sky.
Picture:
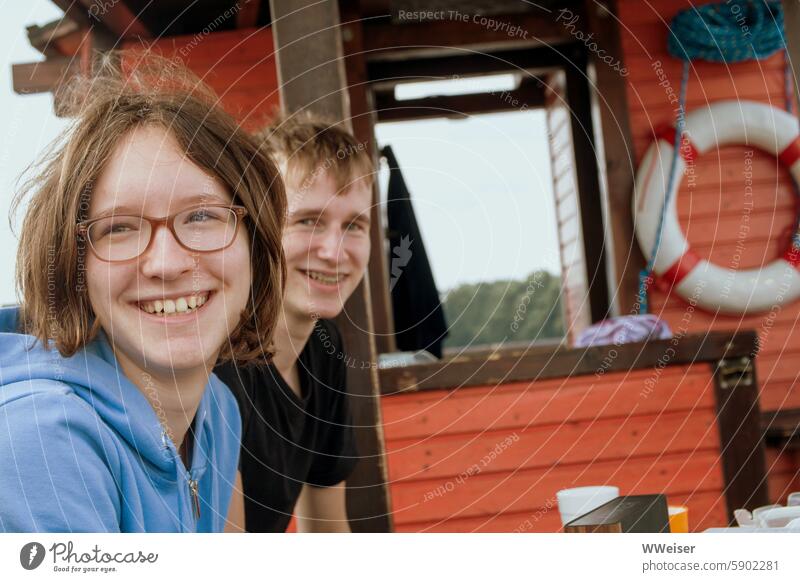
(27, 122)
(482, 194)
(481, 187)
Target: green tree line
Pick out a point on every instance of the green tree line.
(511, 310)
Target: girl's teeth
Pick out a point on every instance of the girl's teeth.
(174, 306)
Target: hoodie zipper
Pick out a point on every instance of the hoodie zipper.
(192, 483)
(195, 498)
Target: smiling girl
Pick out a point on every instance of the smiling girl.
(150, 250)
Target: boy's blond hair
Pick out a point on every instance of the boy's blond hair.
(306, 147)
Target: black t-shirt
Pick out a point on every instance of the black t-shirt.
(288, 441)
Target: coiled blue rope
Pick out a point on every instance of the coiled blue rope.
(727, 32)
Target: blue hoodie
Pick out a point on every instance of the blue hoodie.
(82, 450)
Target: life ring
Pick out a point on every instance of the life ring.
(676, 264)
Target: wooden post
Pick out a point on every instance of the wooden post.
(741, 438)
(615, 156)
(363, 118)
(308, 50)
(593, 223)
(791, 27)
(311, 75)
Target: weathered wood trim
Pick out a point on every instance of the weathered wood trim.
(308, 56)
(741, 439)
(593, 228)
(791, 27)
(385, 40)
(542, 363)
(363, 117)
(616, 157)
(47, 39)
(465, 62)
(529, 95)
(43, 76)
(312, 77)
(117, 18)
(247, 17)
(781, 428)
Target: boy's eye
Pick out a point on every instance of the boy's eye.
(355, 226)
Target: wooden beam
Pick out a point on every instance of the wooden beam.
(307, 43)
(384, 40)
(44, 76)
(593, 228)
(542, 363)
(528, 96)
(744, 463)
(791, 27)
(363, 116)
(49, 39)
(247, 17)
(616, 157)
(781, 428)
(117, 18)
(465, 63)
(111, 16)
(311, 76)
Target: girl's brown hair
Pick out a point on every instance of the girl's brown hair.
(125, 91)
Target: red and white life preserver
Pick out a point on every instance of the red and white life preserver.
(711, 286)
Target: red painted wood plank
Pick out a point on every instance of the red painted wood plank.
(487, 494)
(705, 510)
(471, 410)
(570, 442)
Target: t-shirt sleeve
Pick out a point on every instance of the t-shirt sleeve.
(55, 475)
(336, 455)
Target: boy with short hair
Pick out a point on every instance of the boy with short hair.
(297, 440)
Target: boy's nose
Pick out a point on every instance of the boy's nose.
(329, 244)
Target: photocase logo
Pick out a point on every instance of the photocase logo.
(402, 254)
(31, 555)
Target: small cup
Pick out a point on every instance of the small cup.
(575, 502)
(794, 499)
(678, 519)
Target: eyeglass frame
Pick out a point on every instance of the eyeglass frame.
(82, 228)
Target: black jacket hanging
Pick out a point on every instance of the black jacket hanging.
(419, 319)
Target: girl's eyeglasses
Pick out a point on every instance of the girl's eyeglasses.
(203, 228)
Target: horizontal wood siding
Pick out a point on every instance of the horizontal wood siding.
(492, 458)
(239, 65)
(712, 208)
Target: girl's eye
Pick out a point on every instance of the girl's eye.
(114, 227)
(307, 222)
(203, 215)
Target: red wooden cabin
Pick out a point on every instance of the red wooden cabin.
(482, 441)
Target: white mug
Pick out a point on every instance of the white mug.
(575, 502)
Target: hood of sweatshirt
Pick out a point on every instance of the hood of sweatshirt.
(95, 376)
